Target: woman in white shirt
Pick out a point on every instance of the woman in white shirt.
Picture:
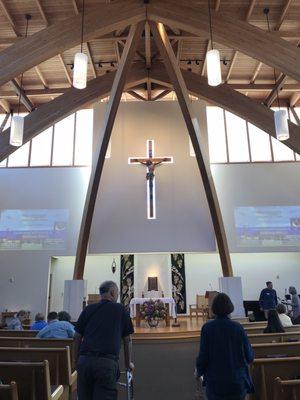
(284, 319)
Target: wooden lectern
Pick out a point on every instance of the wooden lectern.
(210, 295)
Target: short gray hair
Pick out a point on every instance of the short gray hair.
(106, 286)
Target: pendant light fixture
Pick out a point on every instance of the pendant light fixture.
(280, 116)
(17, 121)
(80, 61)
(214, 74)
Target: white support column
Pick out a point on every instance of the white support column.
(232, 286)
(74, 293)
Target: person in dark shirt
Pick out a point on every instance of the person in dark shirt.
(274, 325)
(268, 299)
(224, 355)
(100, 330)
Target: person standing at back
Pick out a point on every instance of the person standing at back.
(268, 299)
(295, 303)
(99, 331)
(224, 355)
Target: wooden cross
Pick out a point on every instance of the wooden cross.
(151, 163)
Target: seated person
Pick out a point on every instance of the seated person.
(56, 329)
(15, 324)
(284, 319)
(39, 323)
(274, 325)
(64, 316)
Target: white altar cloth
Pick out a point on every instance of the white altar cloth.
(141, 300)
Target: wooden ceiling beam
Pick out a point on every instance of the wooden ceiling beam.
(136, 95)
(283, 14)
(294, 99)
(72, 100)
(235, 54)
(5, 105)
(89, 53)
(276, 89)
(23, 97)
(147, 45)
(161, 95)
(231, 100)
(42, 12)
(228, 31)
(8, 17)
(295, 115)
(102, 145)
(63, 35)
(7, 115)
(198, 142)
(41, 76)
(66, 71)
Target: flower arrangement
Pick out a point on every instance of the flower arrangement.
(153, 311)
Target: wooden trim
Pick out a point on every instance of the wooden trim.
(65, 34)
(235, 34)
(177, 80)
(66, 71)
(101, 148)
(136, 95)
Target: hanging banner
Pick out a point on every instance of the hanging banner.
(127, 279)
(178, 282)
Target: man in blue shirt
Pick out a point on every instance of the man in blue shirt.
(268, 299)
(56, 329)
(99, 332)
(39, 323)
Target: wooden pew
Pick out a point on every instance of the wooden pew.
(260, 329)
(59, 363)
(267, 350)
(265, 370)
(259, 324)
(286, 390)
(9, 391)
(8, 333)
(33, 380)
(274, 337)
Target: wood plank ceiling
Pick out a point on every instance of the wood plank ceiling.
(51, 78)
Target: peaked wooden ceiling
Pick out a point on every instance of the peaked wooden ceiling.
(53, 77)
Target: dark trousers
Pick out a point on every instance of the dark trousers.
(211, 396)
(97, 378)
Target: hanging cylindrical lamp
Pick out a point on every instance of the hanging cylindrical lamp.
(17, 121)
(281, 125)
(80, 62)
(214, 75)
(213, 59)
(280, 116)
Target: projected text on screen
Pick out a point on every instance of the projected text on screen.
(267, 226)
(33, 229)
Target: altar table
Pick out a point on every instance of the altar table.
(135, 307)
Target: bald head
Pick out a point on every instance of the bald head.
(109, 291)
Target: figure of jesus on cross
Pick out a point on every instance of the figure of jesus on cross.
(151, 163)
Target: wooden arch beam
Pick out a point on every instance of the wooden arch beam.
(236, 34)
(175, 74)
(69, 102)
(63, 35)
(231, 100)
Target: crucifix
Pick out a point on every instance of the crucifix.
(151, 163)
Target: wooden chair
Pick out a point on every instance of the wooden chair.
(32, 379)
(274, 337)
(59, 364)
(264, 371)
(200, 308)
(286, 390)
(9, 392)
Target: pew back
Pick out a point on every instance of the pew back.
(265, 370)
(9, 391)
(58, 359)
(35, 342)
(272, 350)
(287, 390)
(8, 333)
(260, 329)
(33, 380)
(274, 337)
